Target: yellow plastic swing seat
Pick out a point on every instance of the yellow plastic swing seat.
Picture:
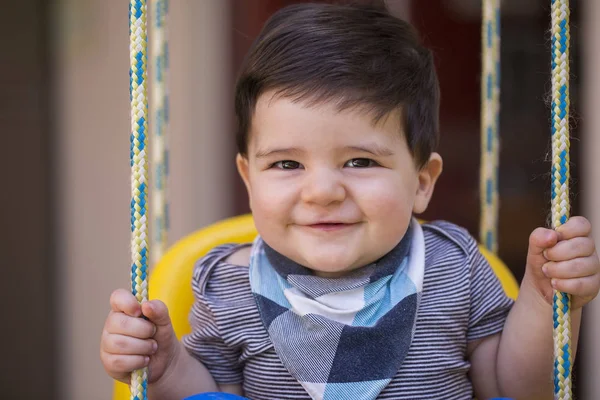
(170, 281)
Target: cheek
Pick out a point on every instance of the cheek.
(388, 208)
(272, 206)
(385, 198)
(270, 197)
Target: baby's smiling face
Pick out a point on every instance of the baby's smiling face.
(330, 189)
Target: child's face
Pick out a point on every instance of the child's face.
(328, 189)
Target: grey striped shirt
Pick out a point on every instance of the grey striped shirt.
(462, 300)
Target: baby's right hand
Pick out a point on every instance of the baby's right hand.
(129, 342)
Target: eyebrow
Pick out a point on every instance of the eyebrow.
(262, 153)
(374, 149)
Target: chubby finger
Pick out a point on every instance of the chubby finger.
(124, 301)
(157, 312)
(582, 287)
(574, 227)
(570, 249)
(119, 363)
(541, 239)
(122, 324)
(127, 345)
(575, 268)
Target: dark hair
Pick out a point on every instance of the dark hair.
(353, 55)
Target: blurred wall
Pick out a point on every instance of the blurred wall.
(26, 245)
(590, 349)
(93, 159)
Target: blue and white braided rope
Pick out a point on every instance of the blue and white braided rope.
(563, 357)
(490, 111)
(139, 164)
(159, 110)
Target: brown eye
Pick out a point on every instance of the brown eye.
(287, 164)
(360, 163)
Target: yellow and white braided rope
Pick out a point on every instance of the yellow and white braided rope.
(563, 358)
(490, 110)
(159, 129)
(139, 165)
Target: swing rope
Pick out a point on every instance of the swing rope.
(560, 188)
(159, 130)
(139, 128)
(490, 120)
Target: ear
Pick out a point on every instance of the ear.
(244, 170)
(427, 177)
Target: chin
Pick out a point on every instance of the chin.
(332, 264)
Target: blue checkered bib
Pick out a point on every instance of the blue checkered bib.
(343, 338)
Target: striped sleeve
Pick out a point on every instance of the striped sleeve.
(489, 304)
(206, 342)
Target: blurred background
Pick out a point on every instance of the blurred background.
(64, 156)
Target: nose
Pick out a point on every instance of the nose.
(323, 187)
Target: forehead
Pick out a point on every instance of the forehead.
(278, 118)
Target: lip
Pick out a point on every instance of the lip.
(330, 226)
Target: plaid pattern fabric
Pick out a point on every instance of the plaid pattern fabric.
(341, 338)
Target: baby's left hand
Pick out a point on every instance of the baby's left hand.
(565, 260)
